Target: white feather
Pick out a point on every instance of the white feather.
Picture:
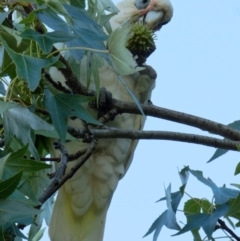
(82, 202)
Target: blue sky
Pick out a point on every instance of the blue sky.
(198, 65)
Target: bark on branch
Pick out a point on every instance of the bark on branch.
(157, 135)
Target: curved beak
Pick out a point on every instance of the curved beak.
(154, 19)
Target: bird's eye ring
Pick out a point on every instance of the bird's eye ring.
(141, 4)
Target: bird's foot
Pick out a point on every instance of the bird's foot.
(88, 135)
(104, 102)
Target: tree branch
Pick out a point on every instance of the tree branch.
(179, 117)
(63, 163)
(54, 187)
(71, 157)
(162, 113)
(149, 110)
(226, 228)
(157, 135)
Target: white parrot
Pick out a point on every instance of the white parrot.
(81, 205)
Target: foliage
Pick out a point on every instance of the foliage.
(38, 35)
(32, 110)
(199, 212)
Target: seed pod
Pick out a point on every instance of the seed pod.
(141, 42)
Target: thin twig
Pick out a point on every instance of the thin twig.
(226, 228)
(63, 163)
(71, 157)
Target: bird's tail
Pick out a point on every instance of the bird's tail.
(67, 226)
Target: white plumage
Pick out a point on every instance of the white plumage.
(81, 206)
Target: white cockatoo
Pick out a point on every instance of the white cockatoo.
(81, 205)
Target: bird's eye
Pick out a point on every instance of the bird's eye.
(141, 4)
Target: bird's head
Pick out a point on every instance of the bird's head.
(147, 16)
(154, 13)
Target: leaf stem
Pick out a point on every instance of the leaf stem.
(78, 48)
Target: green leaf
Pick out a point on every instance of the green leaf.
(16, 231)
(29, 68)
(234, 206)
(14, 211)
(167, 218)
(157, 226)
(236, 185)
(8, 186)
(230, 222)
(27, 190)
(121, 57)
(94, 62)
(16, 163)
(45, 215)
(177, 196)
(6, 106)
(206, 206)
(78, 3)
(221, 194)
(80, 26)
(170, 221)
(132, 94)
(19, 196)
(237, 170)
(8, 68)
(2, 164)
(39, 235)
(192, 206)
(31, 184)
(219, 152)
(20, 122)
(57, 7)
(3, 16)
(61, 106)
(103, 5)
(46, 40)
(206, 221)
(13, 40)
(2, 89)
(237, 224)
(35, 184)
